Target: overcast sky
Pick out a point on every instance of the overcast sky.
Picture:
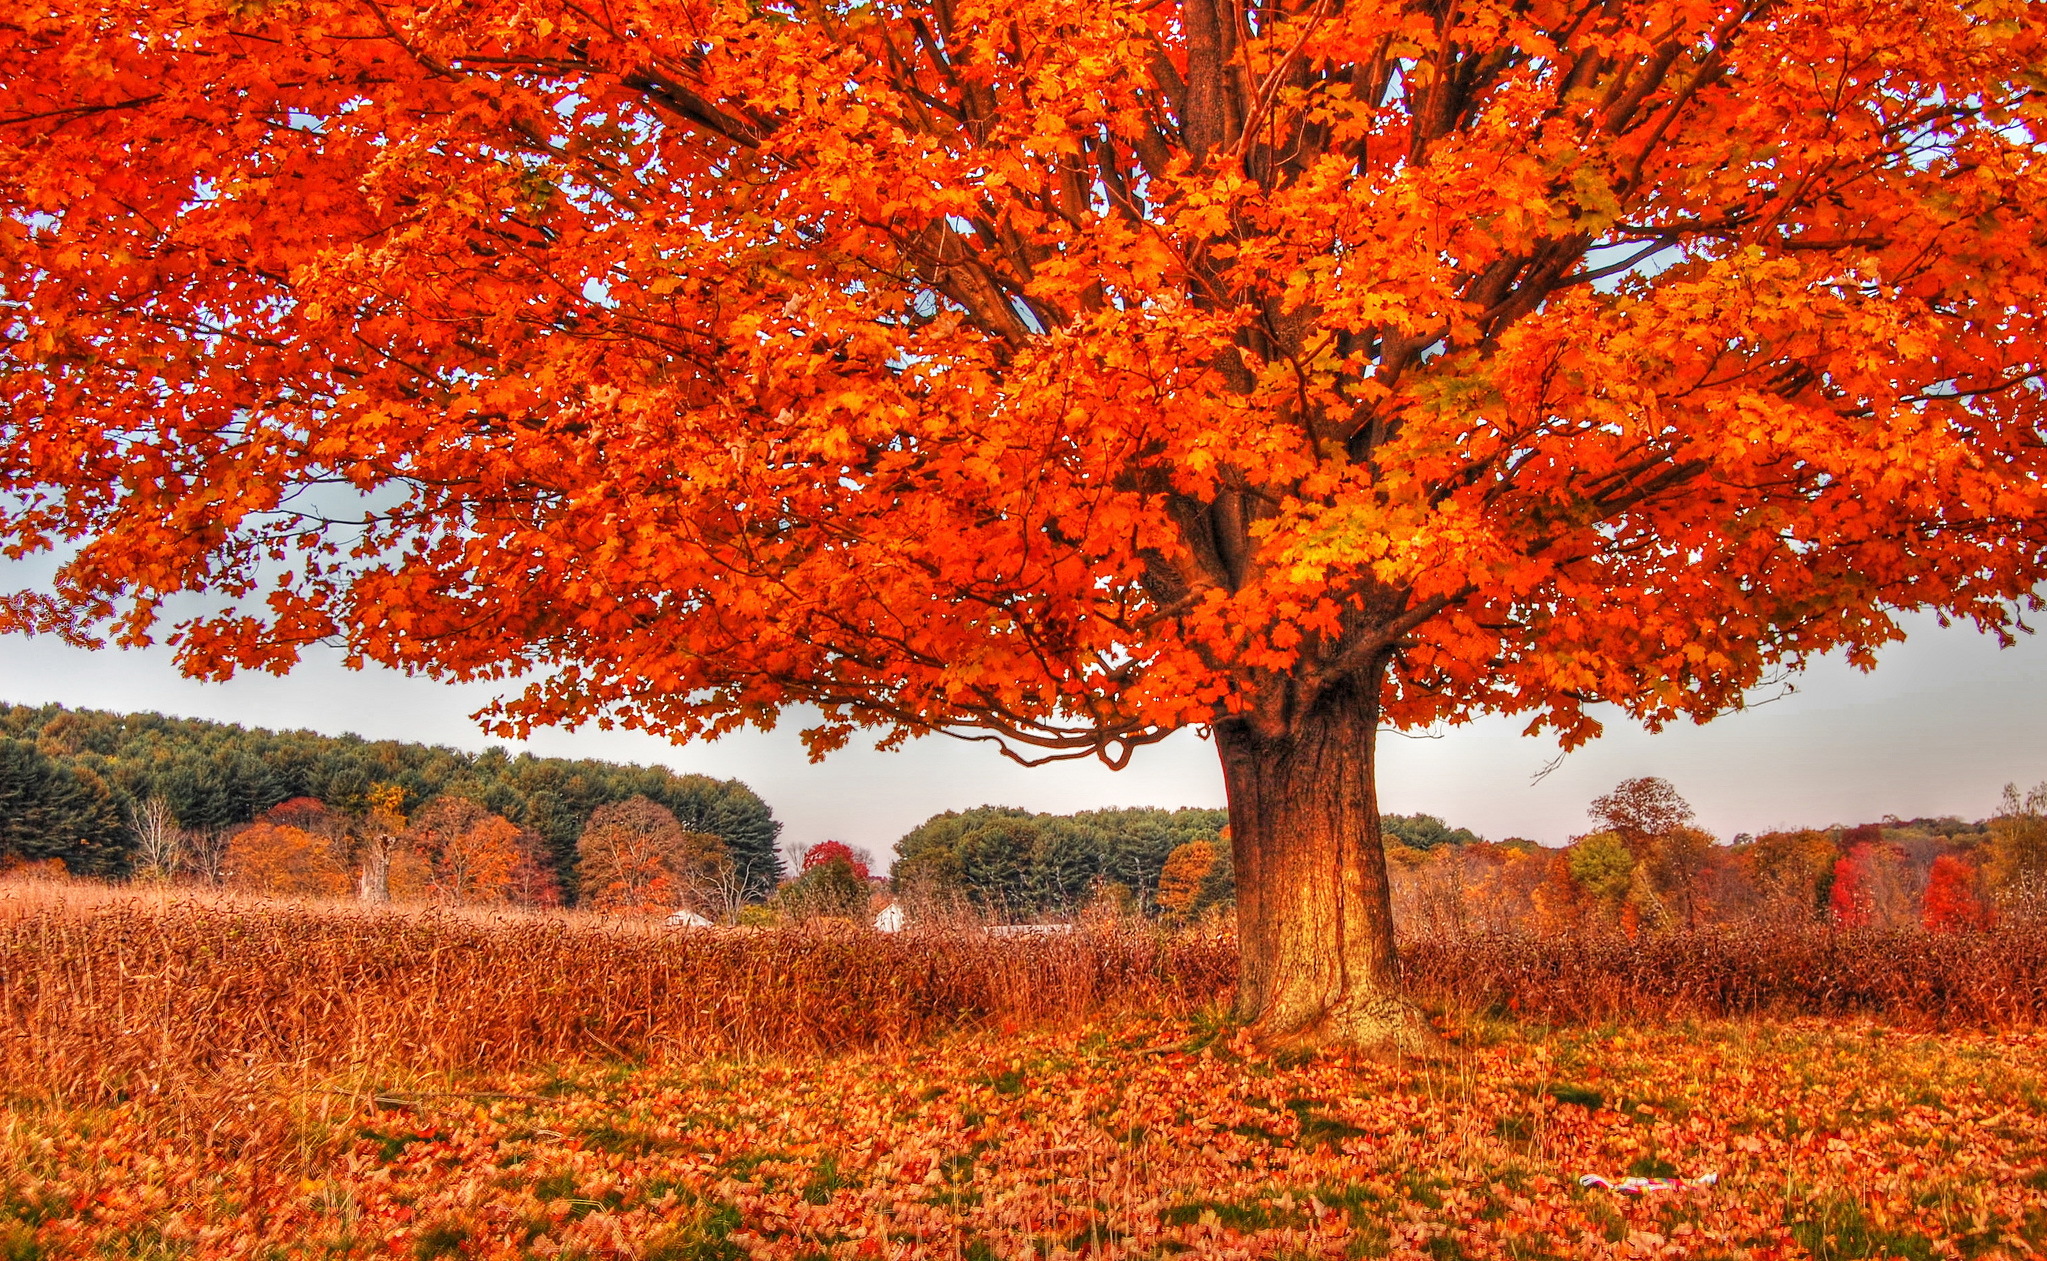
(1946, 719)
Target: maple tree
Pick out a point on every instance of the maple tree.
(380, 849)
(634, 857)
(308, 814)
(832, 887)
(531, 880)
(455, 850)
(835, 851)
(478, 864)
(283, 861)
(1951, 903)
(1789, 871)
(1868, 886)
(1603, 867)
(1641, 811)
(1185, 876)
(1049, 373)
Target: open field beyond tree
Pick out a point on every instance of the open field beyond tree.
(218, 1079)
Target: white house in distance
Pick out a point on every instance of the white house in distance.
(891, 919)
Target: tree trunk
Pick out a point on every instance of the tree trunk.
(374, 884)
(1314, 917)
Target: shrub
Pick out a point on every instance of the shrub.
(832, 889)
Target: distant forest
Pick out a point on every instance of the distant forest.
(70, 781)
(1006, 861)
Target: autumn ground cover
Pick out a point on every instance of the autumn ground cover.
(191, 1078)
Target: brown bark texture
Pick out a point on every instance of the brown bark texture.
(1314, 917)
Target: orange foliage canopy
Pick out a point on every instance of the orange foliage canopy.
(1060, 372)
(635, 858)
(455, 850)
(1185, 872)
(283, 861)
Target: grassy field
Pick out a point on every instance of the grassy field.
(206, 1079)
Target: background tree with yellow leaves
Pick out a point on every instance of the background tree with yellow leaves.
(2018, 853)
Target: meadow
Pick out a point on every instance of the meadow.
(190, 1076)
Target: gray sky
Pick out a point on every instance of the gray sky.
(1938, 728)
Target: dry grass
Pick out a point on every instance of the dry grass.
(108, 994)
(1907, 978)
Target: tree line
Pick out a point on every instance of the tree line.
(118, 795)
(94, 790)
(1012, 863)
(1645, 866)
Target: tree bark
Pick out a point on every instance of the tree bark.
(373, 885)
(1314, 916)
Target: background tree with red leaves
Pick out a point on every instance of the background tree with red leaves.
(836, 851)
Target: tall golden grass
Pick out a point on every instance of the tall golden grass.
(110, 995)
(1995, 979)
